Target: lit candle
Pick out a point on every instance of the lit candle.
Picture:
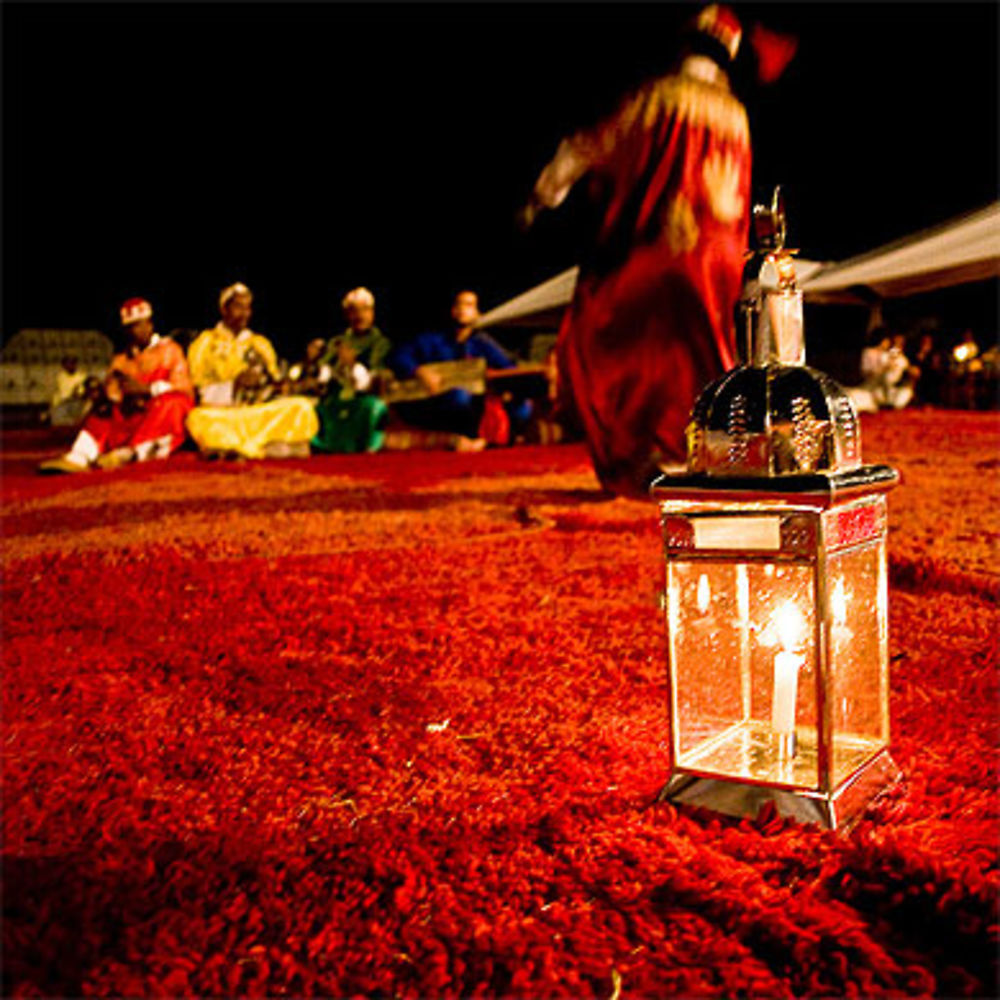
(786, 686)
(789, 625)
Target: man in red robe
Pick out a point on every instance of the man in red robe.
(651, 322)
(147, 397)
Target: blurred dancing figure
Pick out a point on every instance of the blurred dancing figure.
(651, 319)
(139, 412)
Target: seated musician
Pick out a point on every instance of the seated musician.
(474, 418)
(235, 370)
(309, 376)
(352, 418)
(363, 341)
(138, 413)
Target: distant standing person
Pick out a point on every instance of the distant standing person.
(930, 366)
(651, 321)
(146, 397)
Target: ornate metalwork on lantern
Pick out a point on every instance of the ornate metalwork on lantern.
(772, 415)
(776, 579)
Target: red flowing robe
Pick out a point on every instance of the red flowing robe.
(651, 322)
(162, 366)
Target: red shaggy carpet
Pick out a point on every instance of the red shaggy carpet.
(395, 725)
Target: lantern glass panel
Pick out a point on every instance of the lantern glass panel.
(743, 661)
(858, 656)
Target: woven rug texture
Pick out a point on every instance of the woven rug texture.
(395, 726)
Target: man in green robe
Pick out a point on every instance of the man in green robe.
(362, 338)
(352, 418)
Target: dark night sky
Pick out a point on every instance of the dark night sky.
(167, 150)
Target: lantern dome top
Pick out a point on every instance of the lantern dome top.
(771, 420)
(772, 416)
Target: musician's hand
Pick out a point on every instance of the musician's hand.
(430, 378)
(113, 388)
(346, 354)
(135, 388)
(127, 385)
(252, 378)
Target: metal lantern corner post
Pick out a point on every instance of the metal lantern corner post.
(776, 578)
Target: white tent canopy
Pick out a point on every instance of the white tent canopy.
(542, 305)
(965, 249)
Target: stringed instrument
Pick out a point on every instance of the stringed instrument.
(470, 374)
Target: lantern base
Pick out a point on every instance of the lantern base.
(838, 809)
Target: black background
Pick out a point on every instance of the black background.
(168, 150)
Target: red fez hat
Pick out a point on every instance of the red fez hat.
(134, 310)
(719, 22)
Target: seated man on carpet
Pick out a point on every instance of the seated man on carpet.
(69, 402)
(311, 375)
(352, 418)
(887, 375)
(477, 420)
(236, 374)
(362, 340)
(140, 411)
(555, 420)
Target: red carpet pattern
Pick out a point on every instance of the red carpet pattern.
(395, 725)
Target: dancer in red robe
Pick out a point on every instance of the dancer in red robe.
(651, 322)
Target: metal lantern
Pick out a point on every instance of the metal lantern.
(776, 590)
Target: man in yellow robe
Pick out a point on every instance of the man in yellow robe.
(231, 364)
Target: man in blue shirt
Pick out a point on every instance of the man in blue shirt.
(455, 410)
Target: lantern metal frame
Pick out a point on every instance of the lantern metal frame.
(817, 515)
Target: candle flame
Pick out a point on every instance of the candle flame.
(789, 624)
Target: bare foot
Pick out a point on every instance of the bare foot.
(469, 444)
(286, 449)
